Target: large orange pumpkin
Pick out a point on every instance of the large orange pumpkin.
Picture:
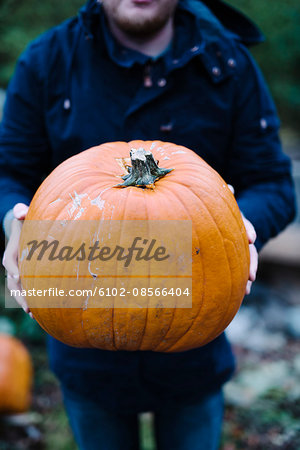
(87, 187)
(15, 375)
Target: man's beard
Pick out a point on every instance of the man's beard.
(144, 27)
(140, 27)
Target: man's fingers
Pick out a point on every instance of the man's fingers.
(20, 210)
(14, 285)
(16, 227)
(231, 188)
(9, 261)
(10, 257)
(251, 234)
(253, 262)
(253, 267)
(248, 287)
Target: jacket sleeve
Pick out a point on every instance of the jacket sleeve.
(24, 149)
(257, 167)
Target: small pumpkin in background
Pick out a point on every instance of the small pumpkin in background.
(89, 186)
(16, 376)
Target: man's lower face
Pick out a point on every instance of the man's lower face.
(139, 17)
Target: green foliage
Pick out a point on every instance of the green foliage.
(271, 422)
(147, 440)
(22, 21)
(57, 431)
(279, 57)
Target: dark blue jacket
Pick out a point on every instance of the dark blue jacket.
(75, 87)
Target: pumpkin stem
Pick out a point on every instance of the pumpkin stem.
(144, 170)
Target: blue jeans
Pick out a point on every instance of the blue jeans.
(192, 427)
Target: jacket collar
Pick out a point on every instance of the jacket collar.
(238, 23)
(200, 29)
(214, 14)
(185, 45)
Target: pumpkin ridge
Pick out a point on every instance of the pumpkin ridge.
(80, 190)
(88, 338)
(246, 246)
(159, 192)
(82, 311)
(237, 219)
(62, 316)
(193, 158)
(225, 251)
(60, 312)
(219, 232)
(115, 280)
(228, 306)
(225, 322)
(225, 199)
(49, 325)
(114, 324)
(174, 309)
(146, 317)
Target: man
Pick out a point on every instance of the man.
(146, 69)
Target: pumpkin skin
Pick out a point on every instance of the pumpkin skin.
(192, 191)
(15, 375)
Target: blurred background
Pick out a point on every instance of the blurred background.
(263, 399)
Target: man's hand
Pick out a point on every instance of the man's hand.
(10, 257)
(251, 234)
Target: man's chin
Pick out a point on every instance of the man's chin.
(140, 21)
(140, 29)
